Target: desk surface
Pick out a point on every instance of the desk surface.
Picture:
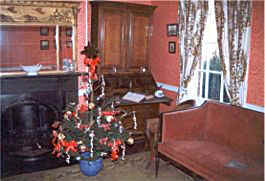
(163, 100)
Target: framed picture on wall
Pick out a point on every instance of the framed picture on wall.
(44, 44)
(172, 29)
(44, 31)
(171, 47)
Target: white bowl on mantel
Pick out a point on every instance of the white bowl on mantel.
(31, 69)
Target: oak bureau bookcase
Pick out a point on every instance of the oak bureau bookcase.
(122, 33)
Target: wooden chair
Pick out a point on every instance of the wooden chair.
(152, 129)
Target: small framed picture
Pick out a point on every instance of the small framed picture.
(44, 44)
(172, 29)
(171, 47)
(68, 31)
(44, 31)
(69, 44)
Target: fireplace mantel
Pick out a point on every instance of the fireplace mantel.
(7, 75)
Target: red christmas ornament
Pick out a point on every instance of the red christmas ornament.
(83, 108)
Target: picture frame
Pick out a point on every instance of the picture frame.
(172, 47)
(44, 44)
(68, 31)
(44, 31)
(172, 29)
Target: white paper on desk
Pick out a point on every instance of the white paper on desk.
(135, 97)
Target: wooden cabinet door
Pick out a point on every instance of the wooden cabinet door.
(112, 38)
(121, 32)
(139, 37)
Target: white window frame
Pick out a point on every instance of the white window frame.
(210, 43)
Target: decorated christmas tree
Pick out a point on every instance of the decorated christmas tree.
(95, 127)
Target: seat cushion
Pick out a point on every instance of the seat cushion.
(211, 160)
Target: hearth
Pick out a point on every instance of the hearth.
(29, 105)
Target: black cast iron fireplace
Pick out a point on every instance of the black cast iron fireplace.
(26, 128)
(29, 105)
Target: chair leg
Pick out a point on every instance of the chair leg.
(157, 159)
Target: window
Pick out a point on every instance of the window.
(210, 76)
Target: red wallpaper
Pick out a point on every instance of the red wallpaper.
(81, 33)
(256, 67)
(164, 66)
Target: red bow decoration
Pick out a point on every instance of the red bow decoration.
(61, 143)
(114, 149)
(92, 63)
(70, 146)
(57, 146)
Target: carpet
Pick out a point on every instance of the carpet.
(133, 168)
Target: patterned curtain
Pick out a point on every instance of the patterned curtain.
(192, 19)
(233, 31)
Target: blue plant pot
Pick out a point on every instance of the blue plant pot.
(90, 168)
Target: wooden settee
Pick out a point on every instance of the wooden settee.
(215, 141)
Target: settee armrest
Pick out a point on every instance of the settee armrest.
(187, 124)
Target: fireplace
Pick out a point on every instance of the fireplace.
(29, 105)
(26, 126)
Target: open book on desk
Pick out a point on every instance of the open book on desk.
(134, 97)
